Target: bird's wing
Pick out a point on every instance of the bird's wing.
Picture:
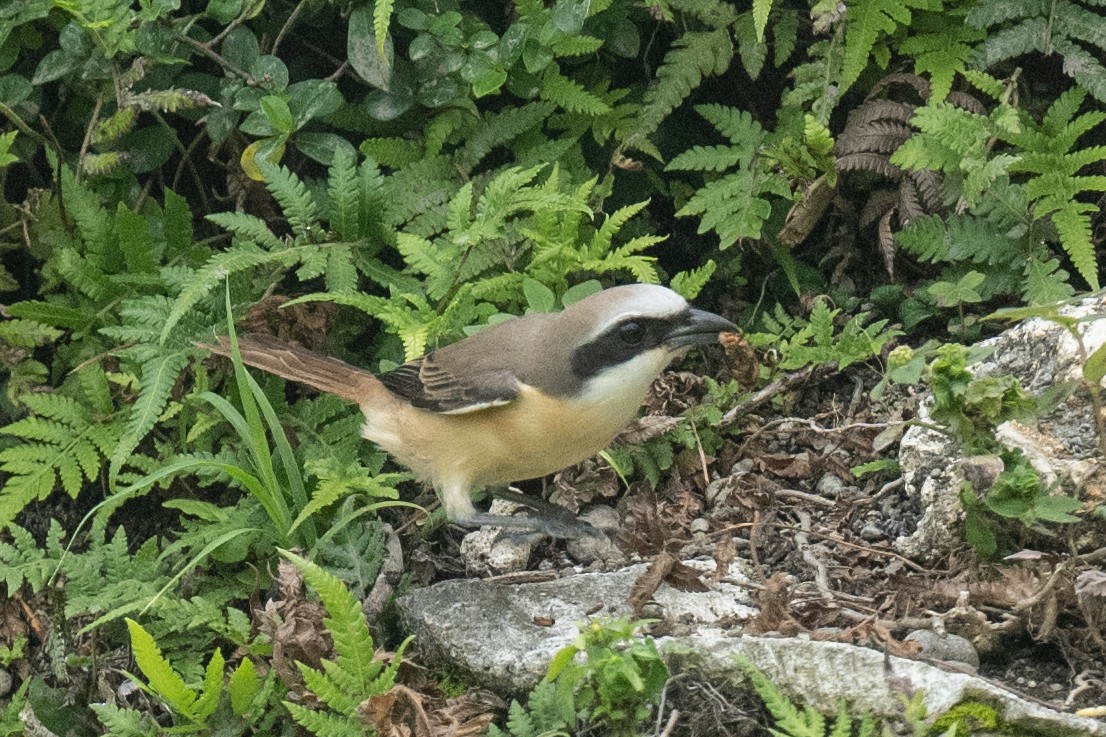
(426, 383)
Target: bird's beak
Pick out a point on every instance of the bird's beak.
(698, 328)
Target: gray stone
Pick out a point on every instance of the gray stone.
(947, 646)
(491, 551)
(593, 548)
(1062, 445)
(502, 636)
(823, 673)
(830, 486)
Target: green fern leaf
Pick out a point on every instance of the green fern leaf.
(158, 377)
(1073, 224)
(382, 17)
(869, 21)
(163, 680)
(576, 46)
(688, 284)
(323, 724)
(571, 95)
(237, 258)
(125, 722)
(248, 228)
(23, 561)
(693, 56)
(751, 48)
(353, 644)
(761, 9)
(501, 128)
(707, 158)
(394, 152)
(1045, 282)
(296, 202)
(62, 444)
(343, 201)
(941, 45)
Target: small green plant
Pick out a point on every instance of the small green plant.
(217, 705)
(973, 407)
(613, 679)
(1017, 494)
(355, 674)
(970, 409)
(545, 715)
(790, 720)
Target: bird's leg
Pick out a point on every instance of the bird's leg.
(547, 518)
(571, 529)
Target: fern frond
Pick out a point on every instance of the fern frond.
(693, 56)
(688, 284)
(870, 21)
(296, 202)
(576, 46)
(382, 17)
(343, 201)
(1073, 224)
(1045, 282)
(394, 152)
(237, 258)
(247, 227)
(62, 444)
(571, 95)
(501, 128)
(324, 724)
(158, 377)
(707, 158)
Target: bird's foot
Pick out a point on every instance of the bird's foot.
(566, 527)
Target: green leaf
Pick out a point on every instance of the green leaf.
(1095, 367)
(161, 678)
(539, 297)
(374, 66)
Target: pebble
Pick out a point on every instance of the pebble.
(948, 647)
(872, 532)
(830, 486)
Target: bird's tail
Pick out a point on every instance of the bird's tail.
(306, 367)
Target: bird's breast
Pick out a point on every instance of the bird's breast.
(535, 435)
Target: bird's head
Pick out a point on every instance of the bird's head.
(628, 332)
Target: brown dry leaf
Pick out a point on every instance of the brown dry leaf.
(647, 583)
(646, 534)
(1015, 585)
(686, 578)
(294, 625)
(786, 466)
(467, 715)
(876, 634)
(305, 324)
(645, 428)
(13, 624)
(1091, 583)
(579, 485)
(398, 712)
(724, 553)
(774, 604)
(674, 392)
(741, 359)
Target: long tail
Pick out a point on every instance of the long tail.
(307, 367)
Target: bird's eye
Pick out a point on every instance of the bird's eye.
(632, 333)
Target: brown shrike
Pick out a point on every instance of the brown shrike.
(518, 400)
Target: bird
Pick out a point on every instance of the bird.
(517, 400)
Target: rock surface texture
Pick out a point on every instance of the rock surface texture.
(1062, 445)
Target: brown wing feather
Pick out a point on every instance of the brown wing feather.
(299, 364)
(428, 385)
